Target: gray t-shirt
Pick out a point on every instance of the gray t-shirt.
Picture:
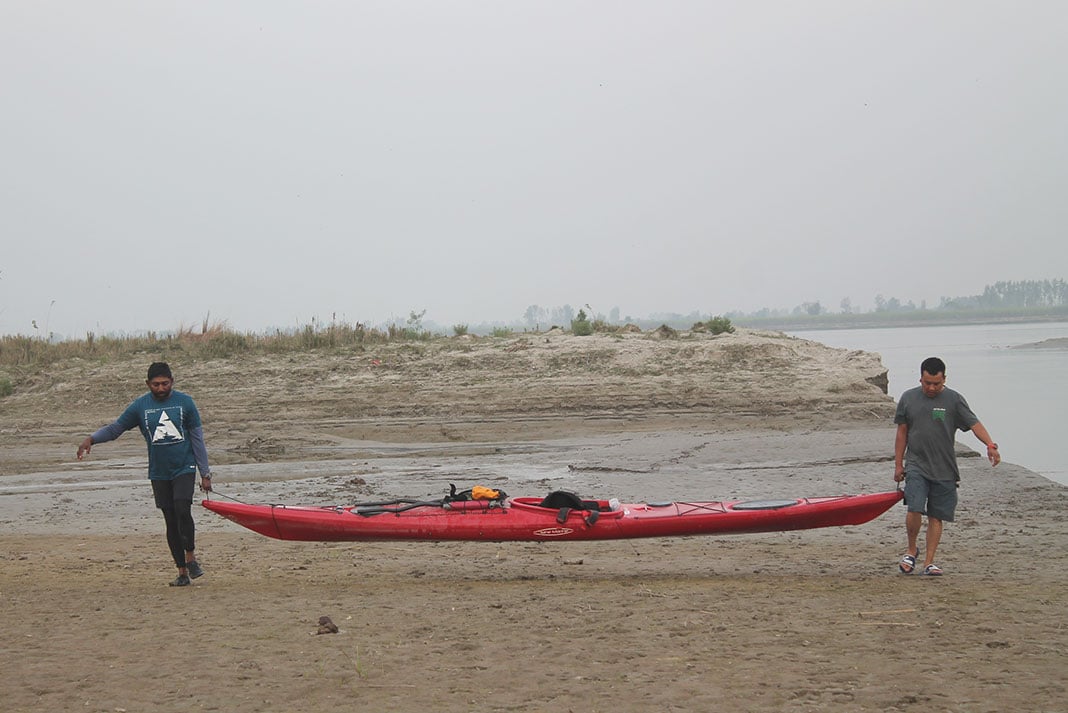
(933, 423)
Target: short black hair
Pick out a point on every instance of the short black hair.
(933, 366)
(159, 368)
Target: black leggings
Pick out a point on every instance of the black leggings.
(174, 498)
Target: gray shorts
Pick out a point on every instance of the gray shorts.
(933, 498)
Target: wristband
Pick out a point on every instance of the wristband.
(993, 445)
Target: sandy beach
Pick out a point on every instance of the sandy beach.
(817, 620)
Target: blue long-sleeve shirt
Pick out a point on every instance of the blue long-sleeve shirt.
(172, 430)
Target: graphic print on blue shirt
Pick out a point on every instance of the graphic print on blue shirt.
(165, 425)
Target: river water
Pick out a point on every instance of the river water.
(1020, 395)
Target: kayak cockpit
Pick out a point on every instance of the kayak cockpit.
(564, 503)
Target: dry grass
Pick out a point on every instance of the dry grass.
(209, 341)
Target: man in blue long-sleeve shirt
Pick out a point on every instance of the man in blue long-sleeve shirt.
(170, 424)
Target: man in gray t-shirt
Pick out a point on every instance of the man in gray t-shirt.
(928, 418)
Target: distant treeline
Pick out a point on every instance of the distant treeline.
(1006, 301)
(1009, 295)
(904, 318)
(1002, 295)
(1003, 301)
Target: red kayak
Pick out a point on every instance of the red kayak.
(559, 516)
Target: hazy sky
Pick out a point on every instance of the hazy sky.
(274, 162)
